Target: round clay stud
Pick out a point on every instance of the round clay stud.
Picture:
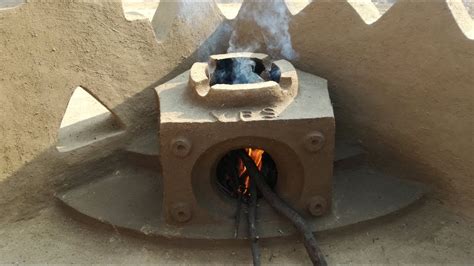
(314, 141)
(317, 206)
(181, 212)
(181, 147)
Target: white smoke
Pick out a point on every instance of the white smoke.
(273, 18)
(192, 12)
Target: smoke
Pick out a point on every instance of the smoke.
(274, 19)
(195, 15)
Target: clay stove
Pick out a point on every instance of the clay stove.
(288, 115)
(183, 189)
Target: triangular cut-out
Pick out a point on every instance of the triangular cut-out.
(139, 9)
(463, 14)
(295, 6)
(366, 10)
(469, 4)
(383, 5)
(229, 8)
(86, 121)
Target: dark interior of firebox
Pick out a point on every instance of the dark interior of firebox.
(233, 179)
(243, 71)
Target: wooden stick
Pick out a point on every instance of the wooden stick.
(252, 219)
(308, 238)
(237, 216)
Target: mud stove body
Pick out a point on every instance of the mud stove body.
(291, 119)
(166, 184)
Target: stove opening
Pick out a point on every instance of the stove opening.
(243, 71)
(232, 177)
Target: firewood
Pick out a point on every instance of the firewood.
(252, 220)
(238, 210)
(280, 206)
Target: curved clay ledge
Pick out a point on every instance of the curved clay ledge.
(133, 200)
(243, 94)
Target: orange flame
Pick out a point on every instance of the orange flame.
(256, 155)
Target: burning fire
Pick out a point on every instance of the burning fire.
(256, 155)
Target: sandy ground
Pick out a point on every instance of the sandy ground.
(426, 233)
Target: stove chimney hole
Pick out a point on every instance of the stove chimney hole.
(243, 71)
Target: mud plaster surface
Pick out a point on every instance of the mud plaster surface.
(402, 86)
(398, 91)
(46, 50)
(54, 237)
